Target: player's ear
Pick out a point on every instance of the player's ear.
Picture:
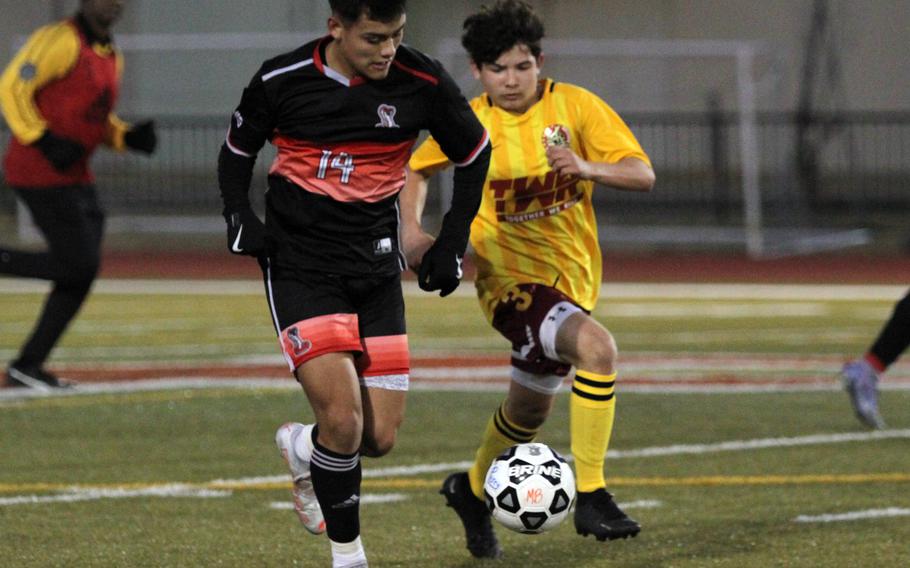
(475, 70)
(335, 27)
(540, 62)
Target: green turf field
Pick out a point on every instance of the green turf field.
(191, 477)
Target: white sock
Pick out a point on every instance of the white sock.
(348, 554)
(303, 445)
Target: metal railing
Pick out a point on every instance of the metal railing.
(849, 162)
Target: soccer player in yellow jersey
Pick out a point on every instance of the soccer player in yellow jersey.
(538, 259)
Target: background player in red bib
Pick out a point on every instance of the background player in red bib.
(58, 96)
(343, 112)
(538, 259)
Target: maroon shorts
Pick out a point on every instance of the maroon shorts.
(529, 318)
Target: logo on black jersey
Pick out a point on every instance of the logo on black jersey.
(382, 246)
(386, 116)
(238, 118)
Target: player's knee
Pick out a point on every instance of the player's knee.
(380, 443)
(598, 353)
(341, 430)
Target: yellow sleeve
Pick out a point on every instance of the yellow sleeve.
(50, 53)
(117, 127)
(428, 156)
(606, 136)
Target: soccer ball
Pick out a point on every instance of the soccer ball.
(529, 488)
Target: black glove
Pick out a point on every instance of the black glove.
(142, 137)
(245, 232)
(440, 269)
(60, 152)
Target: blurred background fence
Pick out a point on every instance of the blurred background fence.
(779, 126)
(857, 172)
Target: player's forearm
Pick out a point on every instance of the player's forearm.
(116, 129)
(235, 172)
(466, 196)
(630, 174)
(413, 198)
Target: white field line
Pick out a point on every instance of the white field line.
(642, 504)
(76, 494)
(758, 444)
(397, 497)
(657, 451)
(806, 292)
(853, 515)
(686, 310)
(254, 383)
(212, 487)
(367, 499)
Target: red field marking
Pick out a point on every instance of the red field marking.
(666, 371)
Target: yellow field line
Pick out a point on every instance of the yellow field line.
(410, 483)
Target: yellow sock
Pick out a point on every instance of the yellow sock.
(500, 435)
(591, 410)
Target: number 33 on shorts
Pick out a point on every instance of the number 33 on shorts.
(519, 297)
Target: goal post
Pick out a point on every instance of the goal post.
(751, 71)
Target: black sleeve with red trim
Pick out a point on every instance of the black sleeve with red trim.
(453, 123)
(251, 125)
(467, 192)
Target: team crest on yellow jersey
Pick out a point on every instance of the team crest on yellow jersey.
(555, 135)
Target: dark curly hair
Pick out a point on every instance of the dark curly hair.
(379, 10)
(492, 31)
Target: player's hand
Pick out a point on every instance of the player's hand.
(142, 137)
(564, 161)
(440, 269)
(414, 244)
(60, 152)
(245, 233)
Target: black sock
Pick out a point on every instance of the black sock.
(894, 337)
(336, 481)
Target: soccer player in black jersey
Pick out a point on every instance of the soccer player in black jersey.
(343, 112)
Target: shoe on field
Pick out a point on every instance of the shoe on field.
(861, 383)
(596, 513)
(33, 377)
(474, 515)
(305, 503)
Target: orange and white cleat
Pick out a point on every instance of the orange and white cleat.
(306, 505)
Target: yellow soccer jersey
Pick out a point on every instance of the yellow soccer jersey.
(533, 225)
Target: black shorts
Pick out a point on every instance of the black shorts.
(317, 313)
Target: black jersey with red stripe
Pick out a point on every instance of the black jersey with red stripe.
(342, 147)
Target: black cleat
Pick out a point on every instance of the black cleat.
(596, 513)
(474, 515)
(33, 377)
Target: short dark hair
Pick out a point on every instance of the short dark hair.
(492, 31)
(379, 10)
